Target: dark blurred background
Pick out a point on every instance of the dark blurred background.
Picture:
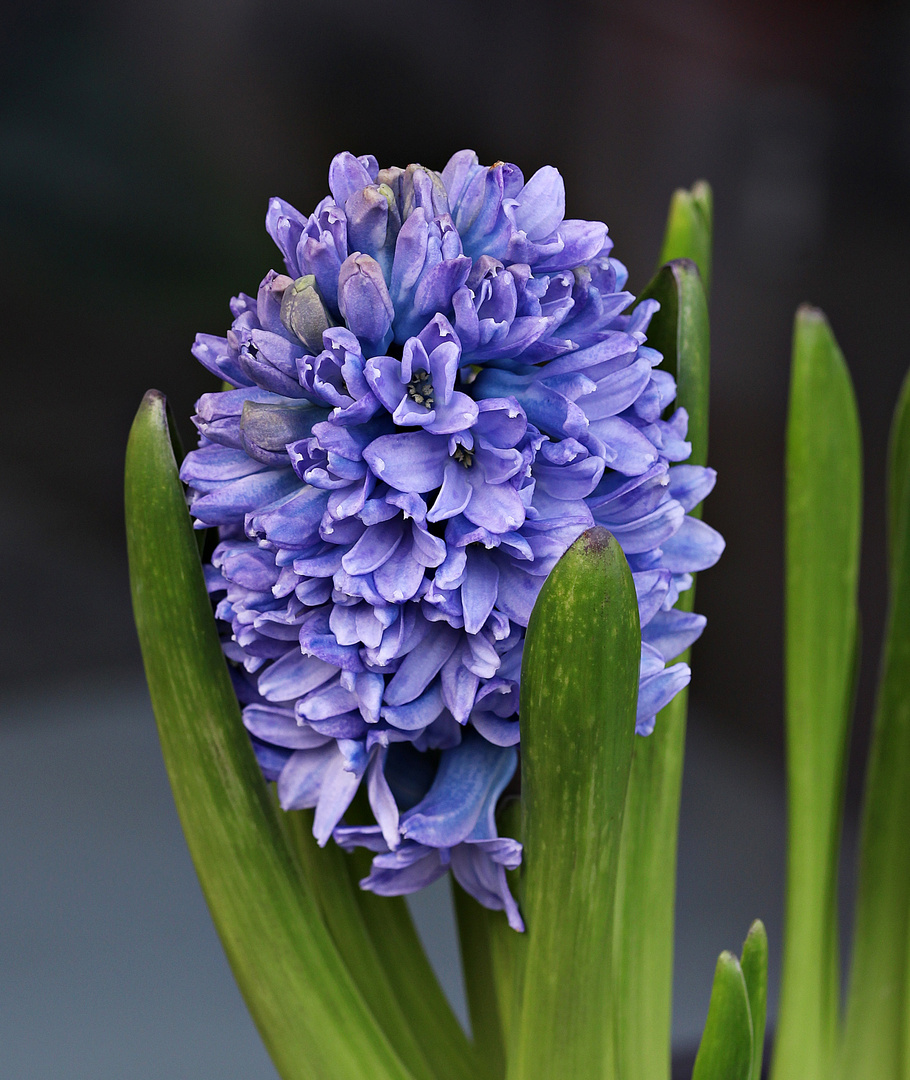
(139, 144)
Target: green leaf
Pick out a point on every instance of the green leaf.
(689, 229)
(725, 1051)
(680, 331)
(309, 1011)
(432, 1057)
(879, 989)
(579, 689)
(644, 933)
(823, 511)
(755, 972)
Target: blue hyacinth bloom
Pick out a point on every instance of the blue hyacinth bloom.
(439, 394)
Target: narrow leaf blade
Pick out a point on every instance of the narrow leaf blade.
(690, 224)
(755, 971)
(823, 510)
(310, 1014)
(680, 331)
(579, 690)
(725, 1051)
(879, 989)
(643, 941)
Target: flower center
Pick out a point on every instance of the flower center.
(463, 456)
(420, 388)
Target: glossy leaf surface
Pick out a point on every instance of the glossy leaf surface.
(725, 1051)
(308, 1009)
(579, 689)
(644, 933)
(754, 965)
(879, 997)
(689, 229)
(823, 511)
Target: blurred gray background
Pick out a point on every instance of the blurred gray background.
(138, 147)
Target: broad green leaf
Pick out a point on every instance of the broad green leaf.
(579, 688)
(879, 989)
(755, 971)
(689, 229)
(308, 1009)
(823, 511)
(725, 1051)
(431, 1057)
(643, 943)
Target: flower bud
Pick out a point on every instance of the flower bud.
(373, 223)
(266, 428)
(304, 313)
(423, 187)
(364, 301)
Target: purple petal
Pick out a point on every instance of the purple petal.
(454, 494)
(376, 545)
(422, 665)
(672, 632)
(417, 875)
(417, 714)
(279, 726)
(477, 873)
(541, 203)
(634, 453)
(689, 484)
(478, 594)
(346, 176)
(382, 801)
(339, 786)
(301, 778)
(412, 461)
(658, 690)
(469, 781)
(293, 675)
(497, 507)
(695, 547)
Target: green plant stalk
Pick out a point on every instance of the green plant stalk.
(395, 939)
(579, 688)
(823, 511)
(310, 1013)
(643, 946)
(442, 1053)
(874, 1043)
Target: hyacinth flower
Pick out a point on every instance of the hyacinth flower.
(443, 386)
(452, 478)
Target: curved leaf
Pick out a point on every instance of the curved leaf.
(877, 1003)
(689, 229)
(823, 512)
(644, 933)
(579, 689)
(755, 971)
(725, 1051)
(309, 1012)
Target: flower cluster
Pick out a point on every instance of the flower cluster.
(442, 392)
